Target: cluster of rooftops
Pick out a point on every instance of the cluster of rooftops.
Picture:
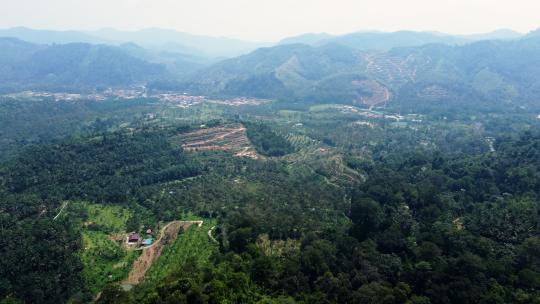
(134, 238)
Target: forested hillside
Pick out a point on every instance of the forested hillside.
(333, 206)
(70, 67)
(154, 39)
(368, 168)
(487, 73)
(29, 123)
(492, 73)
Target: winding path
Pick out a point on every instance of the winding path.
(210, 235)
(64, 205)
(162, 231)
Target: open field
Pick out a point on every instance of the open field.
(108, 217)
(104, 257)
(104, 260)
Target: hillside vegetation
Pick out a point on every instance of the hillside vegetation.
(354, 208)
(69, 67)
(408, 175)
(505, 75)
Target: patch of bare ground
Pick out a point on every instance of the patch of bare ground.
(231, 138)
(379, 93)
(458, 223)
(247, 152)
(151, 253)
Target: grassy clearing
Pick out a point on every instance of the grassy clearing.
(105, 261)
(192, 245)
(104, 258)
(108, 218)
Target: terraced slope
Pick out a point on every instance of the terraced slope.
(230, 138)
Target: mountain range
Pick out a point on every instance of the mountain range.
(152, 38)
(495, 70)
(69, 67)
(366, 68)
(206, 46)
(385, 41)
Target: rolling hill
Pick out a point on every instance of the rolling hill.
(175, 41)
(438, 70)
(494, 71)
(288, 71)
(74, 66)
(49, 37)
(155, 39)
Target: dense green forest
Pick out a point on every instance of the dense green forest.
(107, 168)
(266, 141)
(336, 207)
(425, 228)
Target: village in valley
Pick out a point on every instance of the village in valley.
(178, 99)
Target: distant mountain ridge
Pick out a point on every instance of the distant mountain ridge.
(387, 40)
(352, 69)
(500, 34)
(74, 66)
(157, 39)
(164, 39)
(288, 71)
(50, 37)
(487, 71)
(532, 34)
(309, 39)
(151, 38)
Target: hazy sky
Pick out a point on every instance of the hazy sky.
(267, 20)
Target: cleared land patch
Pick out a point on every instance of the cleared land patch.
(104, 260)
(232, 138)
(149, 255)
(104, 257)
(379, 93)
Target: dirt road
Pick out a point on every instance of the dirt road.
(151, 253)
